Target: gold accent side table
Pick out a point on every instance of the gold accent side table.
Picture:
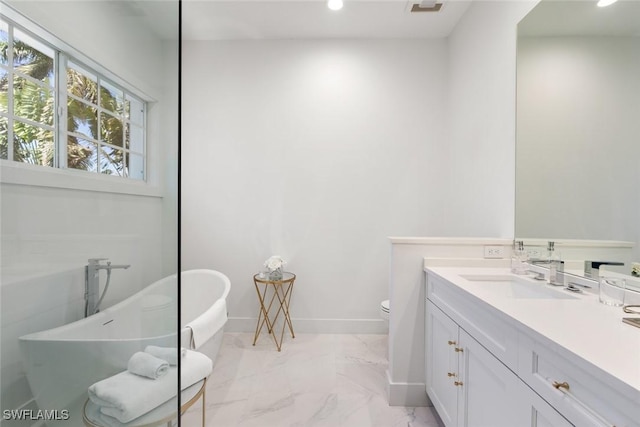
(280, 293)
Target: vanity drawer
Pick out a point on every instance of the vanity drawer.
(574, 390)
(476, 317)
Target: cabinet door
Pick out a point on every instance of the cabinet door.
(441, 365)
(487, 395)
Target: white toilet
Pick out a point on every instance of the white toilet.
(384, 311)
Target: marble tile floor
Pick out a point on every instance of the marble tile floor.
(317, 380)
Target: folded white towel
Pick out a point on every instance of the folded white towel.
(93, 414)
(126, 396)
(147, 365)
(208, 323)
(194, 366)
(170, 354)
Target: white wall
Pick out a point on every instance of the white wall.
(578, 126)
(315, 151)
(52, 221)
(480, 180)
(481, 120)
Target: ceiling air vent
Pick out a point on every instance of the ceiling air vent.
(426, 6)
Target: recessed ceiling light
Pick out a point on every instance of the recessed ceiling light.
(334, 4)
(603, 3)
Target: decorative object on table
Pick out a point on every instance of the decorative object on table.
(274, 265)
(635, 269)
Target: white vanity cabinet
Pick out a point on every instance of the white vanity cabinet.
(441, 363)
(484, 368)
(580, 395)
(467, 385)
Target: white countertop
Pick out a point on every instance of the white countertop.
(582, 325)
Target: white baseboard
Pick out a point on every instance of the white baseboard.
(315, 326)
(407, 394)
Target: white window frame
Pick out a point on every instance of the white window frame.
(10, 115)
(63, 98)
(59, 175)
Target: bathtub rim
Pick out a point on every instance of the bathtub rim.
(216, 273)
(45, 335)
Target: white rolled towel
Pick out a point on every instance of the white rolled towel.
(147, 365)
(126, 396)
(170, 354)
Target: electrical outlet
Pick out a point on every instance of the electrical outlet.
(493, 252)
(533, 254)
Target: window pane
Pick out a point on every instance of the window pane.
(111, 98)
(32, 101)
(134, 138)
(82, 118)
(111, 161)
(4, 41)
(136, 111)
(82, 84)
(33, 58)
(4, 138)
(4, 90)
(135, 169)
(82, 154)
(32, 144)
(110, 129)
(105, 129)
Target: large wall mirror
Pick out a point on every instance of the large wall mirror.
(578, 122)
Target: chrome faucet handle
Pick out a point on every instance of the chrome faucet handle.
(97, 260)
(122, 266)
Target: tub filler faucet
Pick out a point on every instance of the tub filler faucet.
(92, 283)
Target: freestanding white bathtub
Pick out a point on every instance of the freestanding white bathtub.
(61, 363)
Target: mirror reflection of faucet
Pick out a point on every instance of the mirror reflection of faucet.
(550, 268)
(592, 268)
(92, 283)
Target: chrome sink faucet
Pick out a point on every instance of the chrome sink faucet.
(92, 283)
(551, 267)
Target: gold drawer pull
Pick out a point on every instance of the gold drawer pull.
(558, 385)
(451, 374)
(565, 389)
(459, 349)
(451, 342)
(457, 383)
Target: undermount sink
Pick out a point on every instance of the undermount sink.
(518, 288)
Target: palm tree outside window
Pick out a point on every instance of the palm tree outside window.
(101, 123)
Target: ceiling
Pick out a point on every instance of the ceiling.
(582, 17)
(311, 19)
(365, 19)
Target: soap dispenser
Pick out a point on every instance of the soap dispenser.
(553, 257)
(518, 258)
